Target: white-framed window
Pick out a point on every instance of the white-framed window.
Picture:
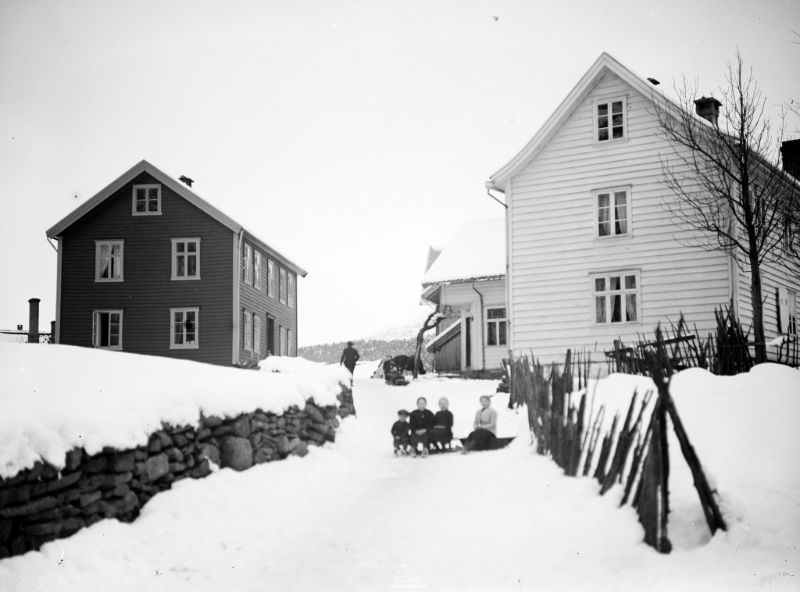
(612, 212)
(146, 200)
(247, 325)
(284, 288)
(184, 328)
(616, 297)
(610, 120)
(247, 264)
(292, 279)
(272, 279)
(256, 333)
(284, 341)
(496, 326)
(107, 329)
(109, 258)
(292, 347)
(257, 270)
(185, 259)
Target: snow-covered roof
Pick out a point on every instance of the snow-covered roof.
(477, 251)
(443, 337)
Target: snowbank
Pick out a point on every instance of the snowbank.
(744, 431)
(57, 397)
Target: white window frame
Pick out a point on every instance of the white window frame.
(247, 330)
(146, 186)
(247, 264)
(284, 345)
(291, 347)
(608, 101)
(98, 244)
(622, 292)
(96, 327)
(271, 278)
(175, 255)
(611, 191)
(283, 288)
(257, 269)
(493, 326)
(291, 298)
(257, 333)
(196, 343)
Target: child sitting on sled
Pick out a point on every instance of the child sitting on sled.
(401, 431)
(441, 433)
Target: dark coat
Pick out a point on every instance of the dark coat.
(444, 418)
(401, 428)
(421, 420)
(349, 357)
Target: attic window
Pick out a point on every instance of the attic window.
(610, 120)
(146, 200)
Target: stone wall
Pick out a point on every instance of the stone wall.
(42, 503)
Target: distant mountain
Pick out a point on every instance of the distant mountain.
(370, 349)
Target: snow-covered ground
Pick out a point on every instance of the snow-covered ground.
(351, 516)
(56, 397)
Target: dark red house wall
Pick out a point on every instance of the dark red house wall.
(147, 292)
(258, 301)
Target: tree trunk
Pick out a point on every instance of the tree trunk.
(758, 309)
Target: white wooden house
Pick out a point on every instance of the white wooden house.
(466, 280)
(593, 254)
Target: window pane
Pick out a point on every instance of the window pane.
(615, 282)
(604, 229)
(616, 120)
(600, 284)
(617, 132)
(602, 109)
(630, 282)
(104, 323)
(616, 107)
(616, 308)
(496, 313)
(621, 226)
(191, 265)
(180, 269)
(501, 326)
(602, 134)
(603, 200)
(630, 307)
(190, 326)
(602, 122)
(600, 309)
(191, 247)
(105, 267)
(491, 334)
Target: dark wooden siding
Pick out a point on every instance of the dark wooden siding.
(259, 302)
(147, 293)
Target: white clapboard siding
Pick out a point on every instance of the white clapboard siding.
(494, 296)
(775, 273)
(553, 248)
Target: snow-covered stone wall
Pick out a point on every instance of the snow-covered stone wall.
(44, 503)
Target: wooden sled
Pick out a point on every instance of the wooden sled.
(497, 443)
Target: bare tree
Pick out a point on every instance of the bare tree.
(431, 322)
(727, 180)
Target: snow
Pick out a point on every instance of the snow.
(350, 516)
(57, 397)
(478, 250)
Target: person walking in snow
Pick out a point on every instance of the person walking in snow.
(484, 427)
(349, 357)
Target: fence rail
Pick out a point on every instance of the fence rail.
(565, 426)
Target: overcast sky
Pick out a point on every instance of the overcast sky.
(350, 135)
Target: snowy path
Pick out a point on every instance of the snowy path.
(352, 517)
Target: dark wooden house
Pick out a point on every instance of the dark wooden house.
(147, 266)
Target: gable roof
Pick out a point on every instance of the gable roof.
(476, 252)
(605, 63)
(178, 187)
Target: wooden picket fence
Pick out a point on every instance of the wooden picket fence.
(565, 426)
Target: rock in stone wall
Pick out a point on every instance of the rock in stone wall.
(42, 503)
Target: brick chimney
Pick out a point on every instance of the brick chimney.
(33, 320)
(708, 108)
(790, 154)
